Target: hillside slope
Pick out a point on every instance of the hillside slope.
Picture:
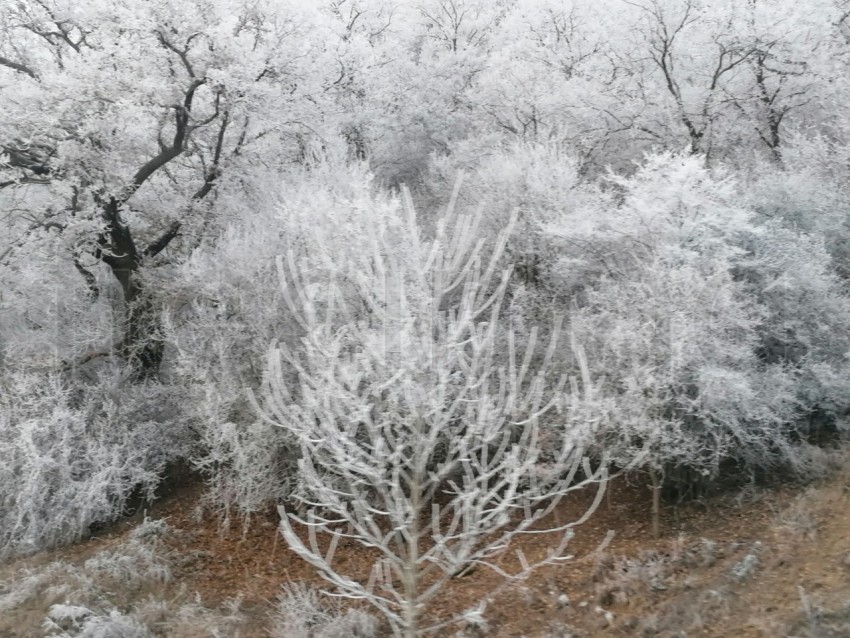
(758, 563)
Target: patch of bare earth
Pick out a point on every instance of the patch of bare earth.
(756, 564)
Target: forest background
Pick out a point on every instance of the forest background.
(216, 214)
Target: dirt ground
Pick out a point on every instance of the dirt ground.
(756, 563)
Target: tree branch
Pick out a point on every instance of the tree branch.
(162, 242)
(33, 157)
(24, 180)
(17, 66)
(154, 164)
(214, 170)
(62, 32)
(178, 144)
(210, 178)
(182, 54)
(89, 356)
(91, 280)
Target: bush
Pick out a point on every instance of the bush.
(302, 612)
(74, 454)
(426, 428)
(226, 309)
(123, 591)
(717, 332)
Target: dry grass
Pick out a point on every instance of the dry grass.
(124, 589)
(760, 564)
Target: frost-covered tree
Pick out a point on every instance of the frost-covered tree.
(426, 432)
(123, 120)
(678, 295)
(223, 313)
(547, 78)
(129, 132)
(716, 75)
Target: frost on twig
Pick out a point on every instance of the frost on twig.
(427, 433)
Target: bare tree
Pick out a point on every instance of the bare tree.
(696, 92)
(457, 24)
(783, 62)
(426, 433)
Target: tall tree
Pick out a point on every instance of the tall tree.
(127, 116)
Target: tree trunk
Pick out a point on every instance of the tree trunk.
(655, 484)
(411, 567)
(141, 344)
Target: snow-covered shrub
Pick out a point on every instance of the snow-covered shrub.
(47, 314)
(227, 307)
(303, 612)
(125, 590)
(137, 563)
(677, 351)
(80, 622)
(539, 182)
(112, 576)
(799, 268)
(192, 619)
(671, 293)
(420, 411)
(807, 193)
(74, 453)
(151, 618)
(806, 313)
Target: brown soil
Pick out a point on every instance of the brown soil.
(223, 564)
(805, 543)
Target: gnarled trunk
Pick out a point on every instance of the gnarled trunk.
(141, 343)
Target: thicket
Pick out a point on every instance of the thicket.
(675, 196)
